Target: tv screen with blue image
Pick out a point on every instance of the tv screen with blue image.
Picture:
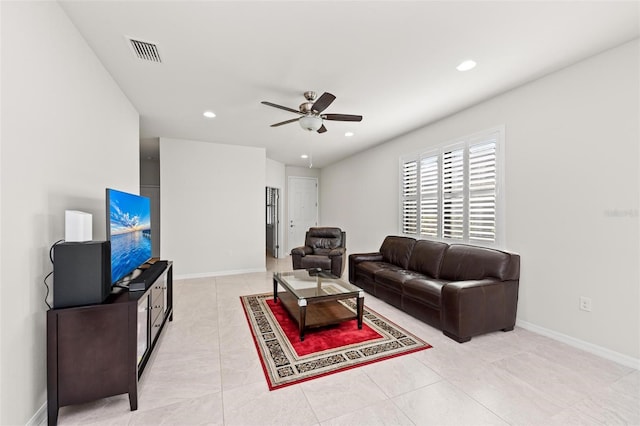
(129, 230)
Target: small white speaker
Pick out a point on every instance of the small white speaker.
(77, 226)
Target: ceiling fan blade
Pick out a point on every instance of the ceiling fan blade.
(323, 102)
(293, 120)
(322, 129)
(342, 117)
(281, 107)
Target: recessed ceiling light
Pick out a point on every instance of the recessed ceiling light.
(304, 156)
(466, 65)
(349, 134)
(209, 114)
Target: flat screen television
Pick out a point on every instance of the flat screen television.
(129, 230)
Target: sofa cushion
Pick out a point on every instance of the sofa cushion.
(315, 261)
(462, 262)
(370, 269)
(425, 290)
(395, 278)
(427, 256)
(396, 250)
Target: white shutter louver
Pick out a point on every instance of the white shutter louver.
(453, 194)
(410, 197)
(429, 178)
(482, 191)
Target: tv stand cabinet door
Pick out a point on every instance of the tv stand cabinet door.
(94, 356)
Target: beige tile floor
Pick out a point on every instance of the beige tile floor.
(206, 371)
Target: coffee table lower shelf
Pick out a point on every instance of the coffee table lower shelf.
(320, 314)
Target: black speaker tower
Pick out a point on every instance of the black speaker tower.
(81, 273)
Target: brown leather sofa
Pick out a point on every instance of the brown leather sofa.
(324, 248)
(463, 290)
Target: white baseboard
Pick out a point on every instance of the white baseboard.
(218, 273)
(40, 417)
(581, 344)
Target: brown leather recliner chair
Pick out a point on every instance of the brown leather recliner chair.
(324, 248)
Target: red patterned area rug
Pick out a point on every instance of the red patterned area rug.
(327, 350)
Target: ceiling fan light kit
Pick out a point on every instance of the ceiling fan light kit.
(311, 118)
(311, 123)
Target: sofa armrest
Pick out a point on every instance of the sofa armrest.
(302, 251)
(354, 259)
(473, 307)
(339, 251)
(338, 260)
(297, 254)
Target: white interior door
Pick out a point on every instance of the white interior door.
(303, 208)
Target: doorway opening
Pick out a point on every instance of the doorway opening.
(273, 222)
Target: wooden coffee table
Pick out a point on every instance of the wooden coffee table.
(311, 298)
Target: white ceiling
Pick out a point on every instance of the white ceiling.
(391, 61)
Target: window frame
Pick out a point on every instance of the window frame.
(438, 152)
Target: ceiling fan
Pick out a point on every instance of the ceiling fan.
(311, 118)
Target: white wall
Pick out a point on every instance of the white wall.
(213, 207)
(149, 172)
(301, 172)
(275, 174)
(360, 195)
(67, 133)
(149, 167)
(572, 194)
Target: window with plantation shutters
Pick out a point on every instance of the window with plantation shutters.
(452, 192)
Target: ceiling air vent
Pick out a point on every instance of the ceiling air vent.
(145, 50)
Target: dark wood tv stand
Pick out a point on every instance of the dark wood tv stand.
(101, 350)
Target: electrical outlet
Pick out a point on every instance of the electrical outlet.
(585, 303)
